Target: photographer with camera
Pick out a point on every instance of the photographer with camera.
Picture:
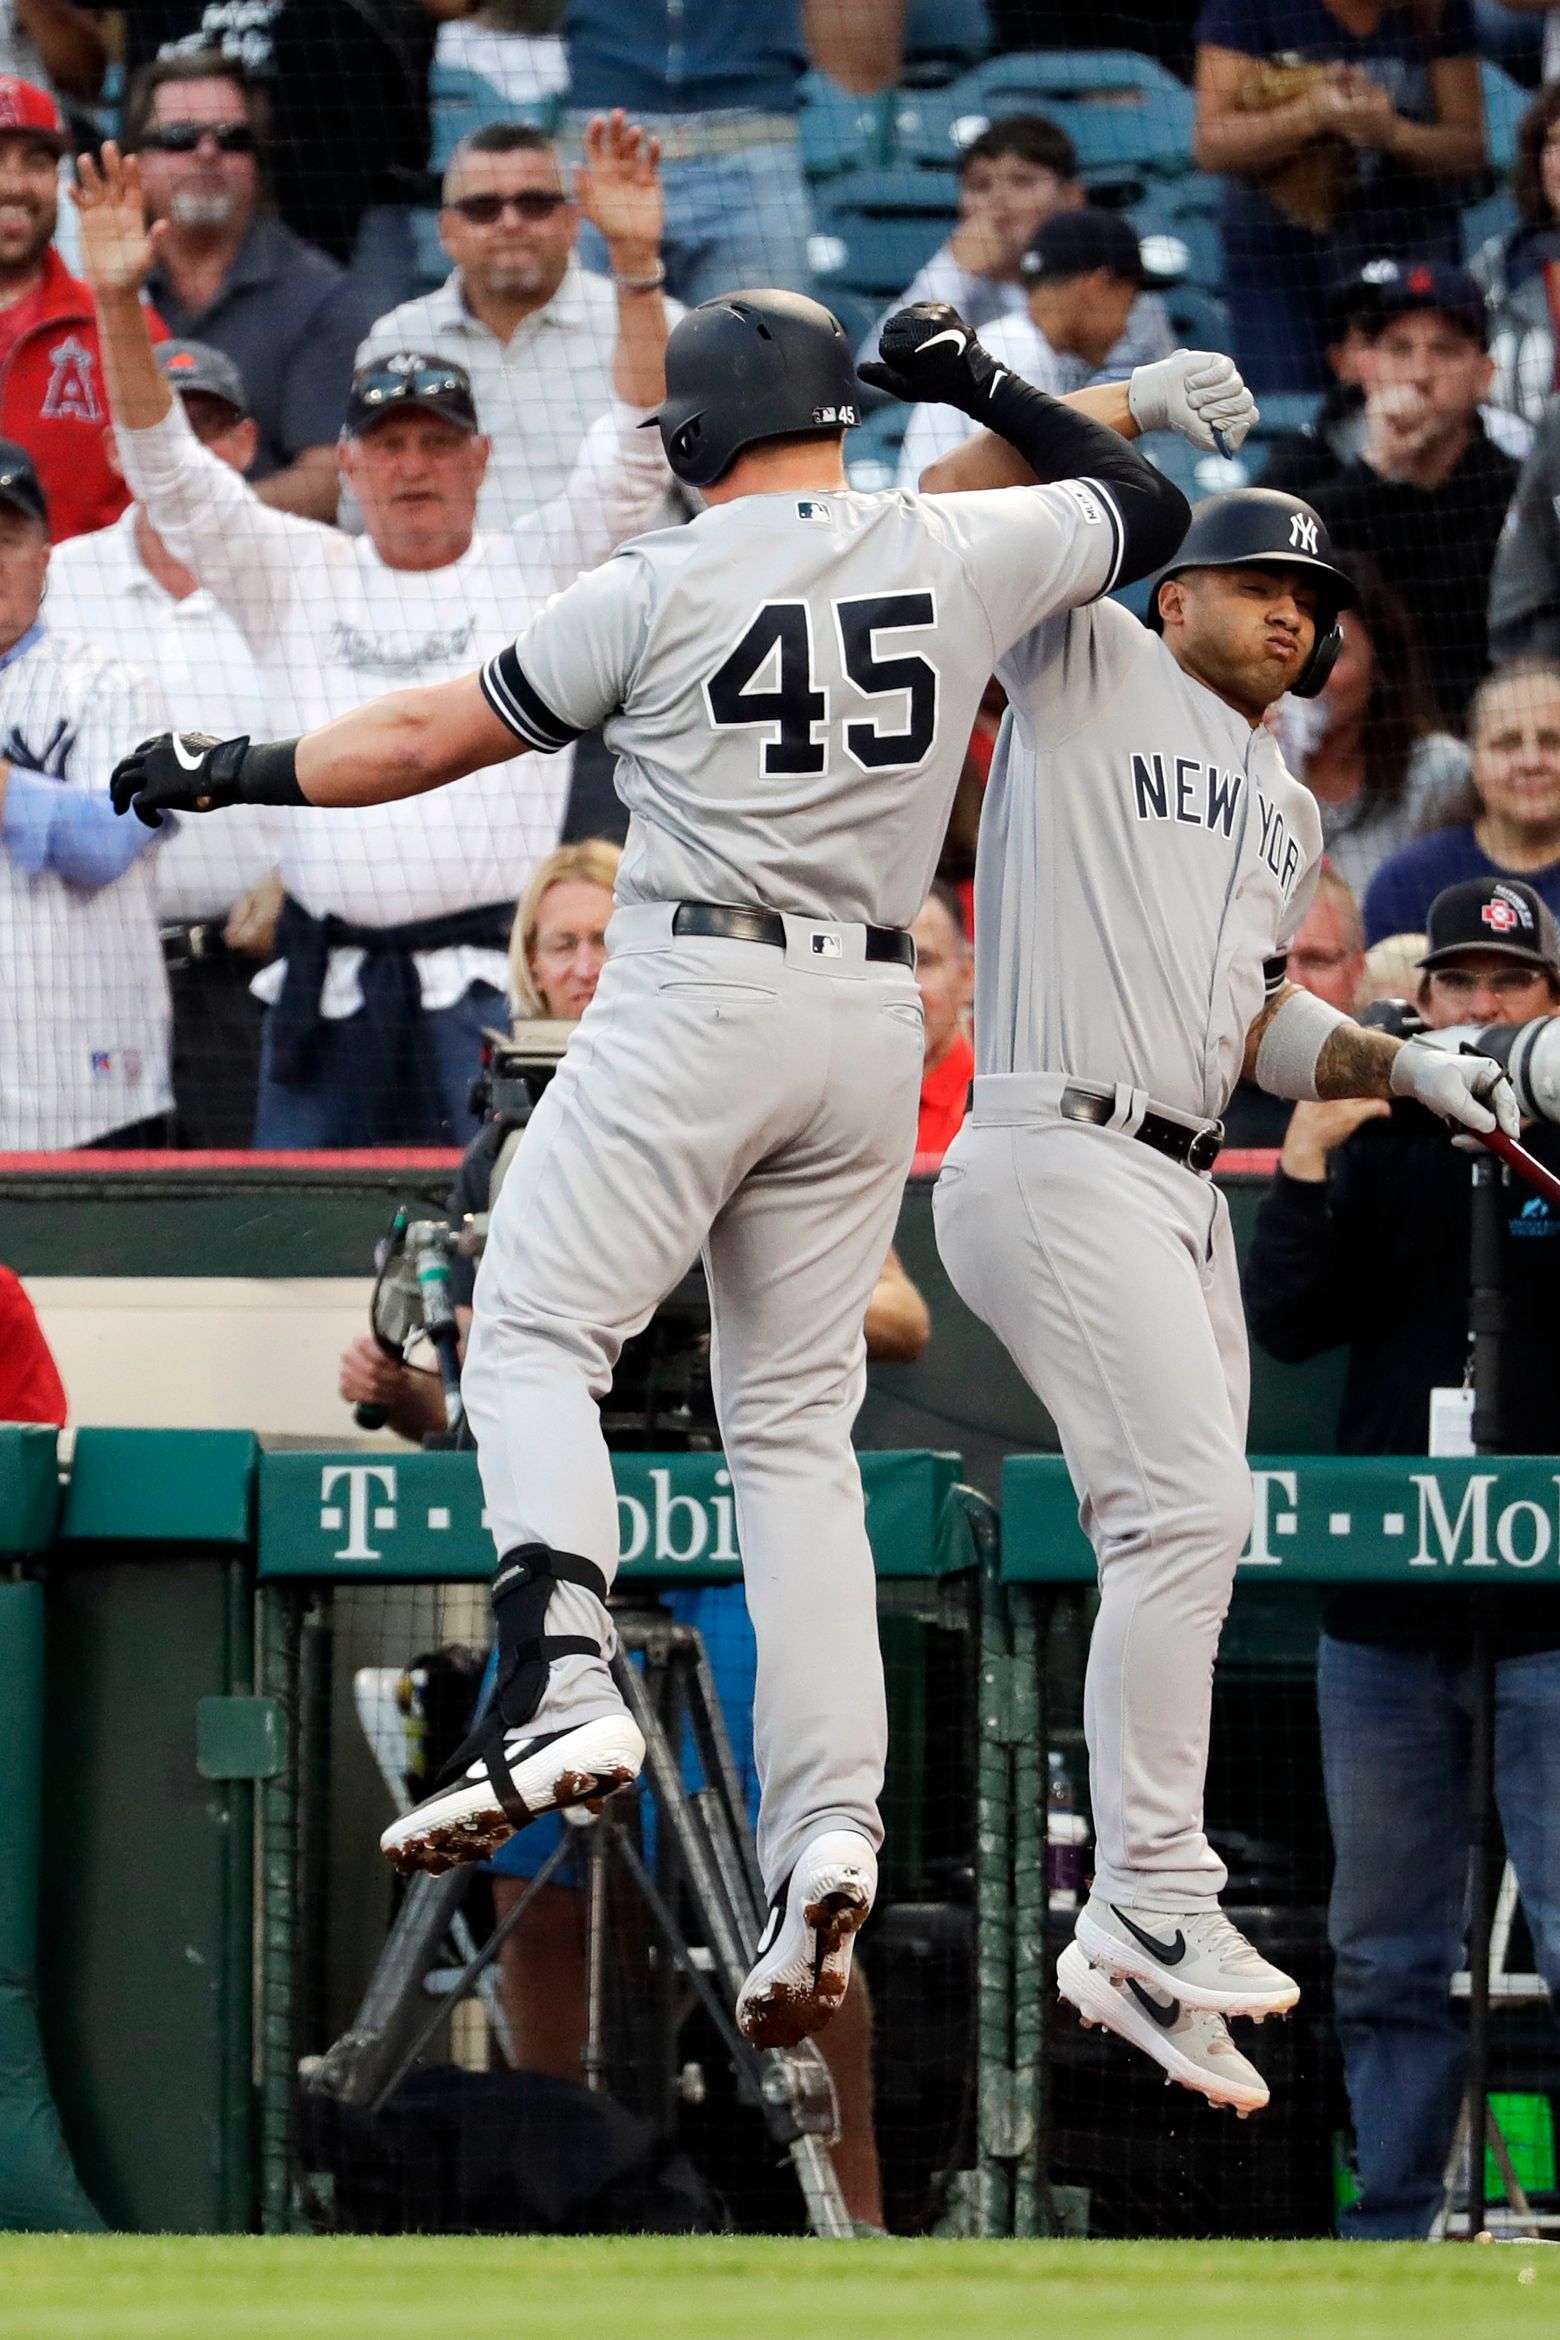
(1363, 1241)
(556, 953)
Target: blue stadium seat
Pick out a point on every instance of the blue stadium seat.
(947, 35)
(876, 228)
(839, 132)
(1505, 103)
(1184, 210)
(1197, 318)
(1117, 107)
(872, 451)
(461, 101)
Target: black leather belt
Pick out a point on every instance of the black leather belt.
(726, 923)
(1197, 1149)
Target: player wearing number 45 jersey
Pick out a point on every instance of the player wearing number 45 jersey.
(788, 684)
(1144, 862)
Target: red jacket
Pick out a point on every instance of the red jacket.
(53, 401)
(30, 1388)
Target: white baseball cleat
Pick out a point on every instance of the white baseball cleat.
(1194, 2047)
(802, 1970)
(1194, 1954)
(543, 1771)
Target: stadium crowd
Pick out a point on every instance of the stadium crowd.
(408, 269)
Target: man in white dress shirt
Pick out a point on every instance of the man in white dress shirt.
(535, 331)
(1082, 273)
(216, 901)
(396, 917)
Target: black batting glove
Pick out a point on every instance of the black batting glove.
(178, 771)
(930, 357)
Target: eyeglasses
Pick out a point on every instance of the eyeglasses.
(185, 137)
(1456, 983)
(487, 210)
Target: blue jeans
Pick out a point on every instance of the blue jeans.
(733, 222)
(1396, 1739)
(366, 1090)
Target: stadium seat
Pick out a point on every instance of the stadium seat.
(1117, 107)
(876, 228)
(461, 101)
(839, 132)
(1505, 103)
(872, 450)
(1198, 319)
(944, 37)
(1183, 211)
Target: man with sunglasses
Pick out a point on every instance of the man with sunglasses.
(1363, 1243)
(395, 921)
(533, 329)
(232, 275)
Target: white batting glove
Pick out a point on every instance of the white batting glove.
(1197, 392)
(1470, 1090)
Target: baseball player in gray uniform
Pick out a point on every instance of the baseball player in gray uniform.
(788, 684)
(1144, 861)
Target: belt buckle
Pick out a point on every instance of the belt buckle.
(1203, 1151)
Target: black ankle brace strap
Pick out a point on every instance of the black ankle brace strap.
(526, 1580)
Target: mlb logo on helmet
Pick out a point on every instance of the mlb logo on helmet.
(1503, 911)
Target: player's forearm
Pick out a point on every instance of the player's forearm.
(404, 744)
(1356, 1062)
(138, 395)
(985, 461)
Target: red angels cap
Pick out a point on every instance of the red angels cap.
(24, 106)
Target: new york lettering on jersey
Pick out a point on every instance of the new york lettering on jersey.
(1207, 796)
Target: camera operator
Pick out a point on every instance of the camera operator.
(1364, 1241)
(557, 950)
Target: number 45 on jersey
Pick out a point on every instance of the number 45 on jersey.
(769, 681)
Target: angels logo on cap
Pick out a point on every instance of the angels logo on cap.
(1504, 911)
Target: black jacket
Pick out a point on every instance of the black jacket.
(1377, 1260)
(1525, 583)
(1437, 547)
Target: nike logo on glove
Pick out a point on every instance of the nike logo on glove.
(1166, 2017)
(1168, 1953)
(961, 341)
(185, 762)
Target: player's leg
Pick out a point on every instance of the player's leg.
(673, 1082)
(1395, 1758)
(1096, 1263)
(793, 1259)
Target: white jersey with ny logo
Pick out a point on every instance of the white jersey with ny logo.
(1143, 853)
(789, 682)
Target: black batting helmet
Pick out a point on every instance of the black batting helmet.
(750, 366)
(1260, 528)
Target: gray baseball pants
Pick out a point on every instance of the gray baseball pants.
(758, 1105)
(1108, 1273)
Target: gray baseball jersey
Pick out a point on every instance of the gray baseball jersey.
(1143, 851)
(789, 682)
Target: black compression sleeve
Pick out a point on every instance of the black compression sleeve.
(269, 774)
(1057, 442)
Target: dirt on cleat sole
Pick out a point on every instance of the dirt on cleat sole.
(456, 1843)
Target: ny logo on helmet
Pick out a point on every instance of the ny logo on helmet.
(1302, 533)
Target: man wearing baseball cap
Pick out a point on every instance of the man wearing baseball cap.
(1427, 494)
(395, 921)
(1363, 1242)
(217, 900)
(52, 398)
(1081, 274)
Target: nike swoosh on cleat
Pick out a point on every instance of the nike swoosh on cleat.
(1166, 2017)
(771, 1932)
(1169, 1953)
(961, 341)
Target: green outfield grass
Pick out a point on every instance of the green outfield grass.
(189, 2288)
